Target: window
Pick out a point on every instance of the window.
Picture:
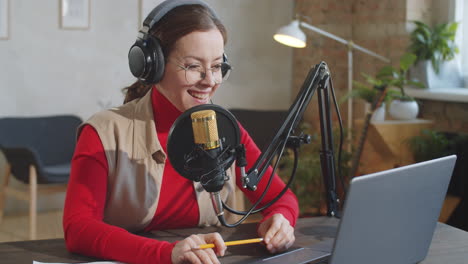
(460, 14)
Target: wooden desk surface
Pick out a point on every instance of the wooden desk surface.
(449, 245)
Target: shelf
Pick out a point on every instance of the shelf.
(459, 95)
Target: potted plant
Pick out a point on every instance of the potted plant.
(387, 86)
(435, 50)
(373, 93)
(376, 94)
(402, 106)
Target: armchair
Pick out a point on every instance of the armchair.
(261, 124)
(38, 151)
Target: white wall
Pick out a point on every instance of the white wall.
(262, 74)
(45, 70)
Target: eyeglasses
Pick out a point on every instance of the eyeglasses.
(196, 72)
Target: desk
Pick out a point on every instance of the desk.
(449, 245)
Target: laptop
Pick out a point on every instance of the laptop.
(389, 217)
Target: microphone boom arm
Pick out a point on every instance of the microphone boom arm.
(317, 78)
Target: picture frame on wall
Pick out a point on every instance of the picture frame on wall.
(74, 14)
(4, 19)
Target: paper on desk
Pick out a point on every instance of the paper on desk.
(98, 262)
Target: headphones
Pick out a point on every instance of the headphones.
(145, 57)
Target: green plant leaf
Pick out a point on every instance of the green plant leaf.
(428, 145)
(416, 83)
(372, 80)
(435, 44)
(386, 73)
(362, 91)
(406, 61)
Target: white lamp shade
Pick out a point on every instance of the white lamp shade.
(291, 35)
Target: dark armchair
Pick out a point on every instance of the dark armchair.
(38, 151)
(262, 125)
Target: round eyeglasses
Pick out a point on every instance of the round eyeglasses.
(196, 72)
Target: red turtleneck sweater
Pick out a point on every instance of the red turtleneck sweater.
(84, 229)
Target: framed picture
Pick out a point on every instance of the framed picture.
(4, 19)
(144, 8)
(74, 14)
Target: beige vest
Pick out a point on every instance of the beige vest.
(136, 164)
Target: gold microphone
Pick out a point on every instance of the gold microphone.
(205, 133)
(205, 129)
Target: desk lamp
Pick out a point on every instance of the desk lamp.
(291, 35)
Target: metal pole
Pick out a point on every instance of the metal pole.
(350, 100)
(351, 45)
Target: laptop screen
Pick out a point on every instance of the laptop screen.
(390, 216)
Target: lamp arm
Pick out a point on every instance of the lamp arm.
(323, 32)
(351, 44)
(369, 52)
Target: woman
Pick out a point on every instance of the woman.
(121, 180)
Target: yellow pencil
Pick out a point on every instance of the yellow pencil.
(233, 243)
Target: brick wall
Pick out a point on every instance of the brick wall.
(335, 17)
(378, 25)
(448, 116)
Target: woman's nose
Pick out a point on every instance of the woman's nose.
(208, 78)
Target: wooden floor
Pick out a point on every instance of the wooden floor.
(16, 227)
(49, 225)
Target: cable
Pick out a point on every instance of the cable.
(246, 214)
(290, 181)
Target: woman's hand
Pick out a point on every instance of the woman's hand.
(277, 233)
(185, 251)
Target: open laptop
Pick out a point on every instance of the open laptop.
(389, 217)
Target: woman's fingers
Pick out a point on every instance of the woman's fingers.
(278, 233)
(205, 255)
(218, 241)
(187, 251)
(283, 239)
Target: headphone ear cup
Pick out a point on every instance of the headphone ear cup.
(146, 60)
(137, 59)
(226, 70)
(158, 62)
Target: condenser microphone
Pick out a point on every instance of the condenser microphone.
(201, 147)
(205, 136)
(205, 129)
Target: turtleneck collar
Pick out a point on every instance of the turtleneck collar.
(165, 113)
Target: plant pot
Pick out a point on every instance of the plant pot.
(449, 75)
(379, 114)
(403, 110)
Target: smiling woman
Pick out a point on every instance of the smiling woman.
(196, 51)
(121, 181)
(168, 39)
